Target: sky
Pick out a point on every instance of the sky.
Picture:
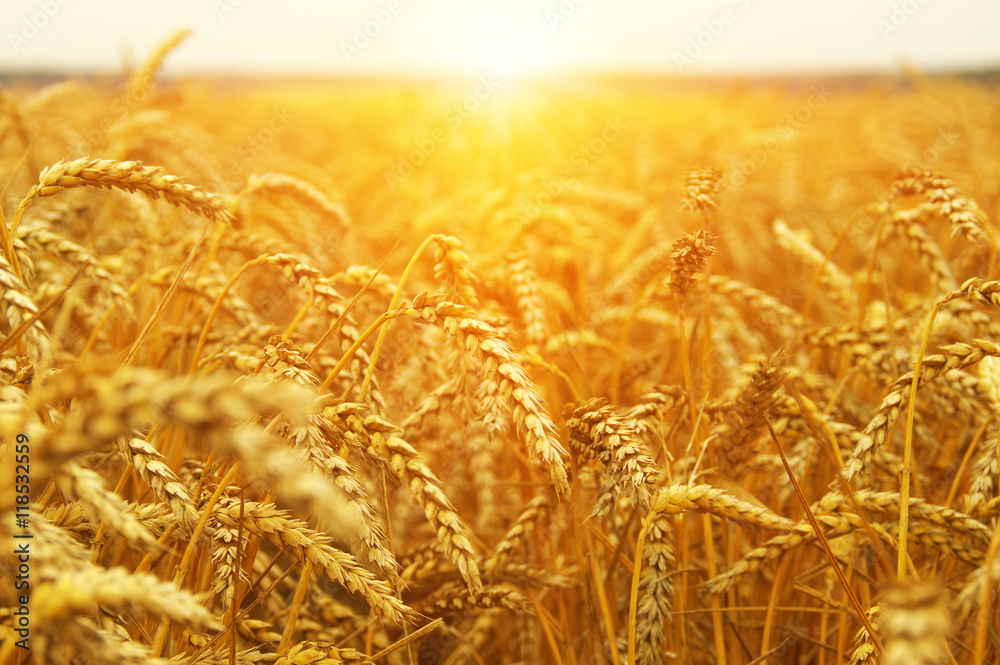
(361, 37)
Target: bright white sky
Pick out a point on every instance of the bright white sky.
(428, 36)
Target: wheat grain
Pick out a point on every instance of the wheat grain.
(317, 653)
(569, 265)
(838, 285)
(964, 216)
(689, 255)
(497, 358)
(142, 79)
(129, 176)
(300, 190)
(450, 268)
(102, 504)
(748, 414)
(865, 652)
(526, 522)
(906, 224)
(320, 438)
(956, 356)
(75, 255)
(678, 499)
(701, 186)
(151, 466)
(89, 588)
(451, 599)
(656, 589)
(609, 438)
(521, 274)
(383, 448)
(303, 544)
(914, 622)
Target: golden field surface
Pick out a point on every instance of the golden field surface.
(499, 371)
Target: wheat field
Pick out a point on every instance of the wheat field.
(497, 371)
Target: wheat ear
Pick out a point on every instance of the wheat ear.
(303, 544)
(386, 450)
(129, 176)
(955, 356)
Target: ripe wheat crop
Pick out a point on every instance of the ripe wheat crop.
(278, 386)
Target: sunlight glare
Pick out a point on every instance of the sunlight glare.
(497, 43)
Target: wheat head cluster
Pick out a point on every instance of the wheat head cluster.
(323, 374)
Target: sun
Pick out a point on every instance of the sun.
(503, 63)
(517, 58)
(500, 43)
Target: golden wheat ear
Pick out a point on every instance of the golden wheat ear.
(129, 176)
